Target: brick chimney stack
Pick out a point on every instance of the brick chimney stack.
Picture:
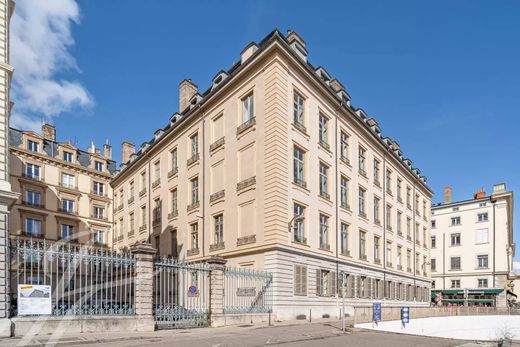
(127, 149)
(107, 150)
(186, 90)
(447, 194)
(479, 194)
(49, 132)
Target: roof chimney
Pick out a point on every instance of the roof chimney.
(91, 149)
(297, 44)
(186, 90)
(107, 150)
(447, 195)
(479, 194)
(49, 131)
(127, 149)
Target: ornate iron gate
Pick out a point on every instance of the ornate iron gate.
(181, 294)
(247, 291)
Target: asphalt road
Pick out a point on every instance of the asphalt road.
(301, 335)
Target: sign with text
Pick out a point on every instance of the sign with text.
(405, 314)
(376, 312)
(247, 291)
(34, 299)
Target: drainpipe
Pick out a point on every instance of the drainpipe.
(494, 239)
(443, 261)
(336, 173)
(203, 181)
(384, 226)
(414, 212)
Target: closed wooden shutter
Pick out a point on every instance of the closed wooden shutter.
(318, 282)
(371, 288)
(304, 280)
(358, 286)
(297, 277)
(350, 286)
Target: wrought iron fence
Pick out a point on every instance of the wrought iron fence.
(83, 280)
(181, 293)
(247, 291)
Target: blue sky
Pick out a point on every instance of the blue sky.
(442, 77)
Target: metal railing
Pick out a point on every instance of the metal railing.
(247, 291)
(180, 293)
(83, 280)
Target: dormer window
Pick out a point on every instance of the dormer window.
(67, 156)
(98, 166)
(33, 146)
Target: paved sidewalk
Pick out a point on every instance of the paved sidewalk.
(298, 335)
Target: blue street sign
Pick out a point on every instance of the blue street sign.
(376, 312)
(405, 314)
(192, 289)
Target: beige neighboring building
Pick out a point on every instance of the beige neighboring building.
(65, 193)
(472, 248)
(273, 168)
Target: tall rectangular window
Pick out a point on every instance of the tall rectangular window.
(194, 139)
(399, 223)
(173, 159)
(344, 147)
(455, 239)
(300, 280)
(33, 227)
(433, 265)
(67, 231)
(33, 171)
(389, 181)
(389, 217)
(362, 206)
(323, 181)
(298, 109)
(388, 253)
(399, 257)
(399, 190)
(377, 249)
(195, 190)
(131, 222)
(143, 216)
(324, 231)
(131, 190)
(344, 200)
(99, 212)
(194, 236)
(33, 198)
(99, 188)
(323, 131)
(408, 197)
(482, 236)
(433, 241)
(362, 160)
(362, 245)
(68, 180)
(482, 261)
(98, 166)
(377, 173)
(344, 239)
(219, 228)
(143, 181)
(248, 108)
(67, 205)
(174, 205)
(377, 218)
(408, 228)
(299, 173)
(157, 171)
(98, 236)
(67, 156)
(299, 225)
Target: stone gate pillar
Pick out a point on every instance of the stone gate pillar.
(144, 255)
(216, 291)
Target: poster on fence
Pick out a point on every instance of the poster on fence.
(34, 299)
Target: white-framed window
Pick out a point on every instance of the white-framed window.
(344, 239)
(455, 220)
(194, 139)
(399, 256)
(482, 236)
(362, 244)
(323, 131)
(33, 146)
(482, 261)
(33, 171)
(362, 200)
(433, 241)
(33, 227)
(389, 181)
(389, 253)
(399, 189)
(99, 212)
(299, 223)
(377, 171)
(173, 159)
(299, 103)
(389, 217)
(144, 216)
(433, 264)
(482, 283)
(33, 198)
(194, 236)
(67, 231)
(98, 166)
(323, 180)
(131, 189)
(344, 200)
(399, 222)
(362, 160)
(67, 156)
(157, 170)
(195, 190)
(174, 203)
(299, 168)
(455, 284)
(324, 231)
(455, 239)
(67, 205)
(131, 221)
(377, 249)
(98, 236)
(247, 108)
(219, 228)
(99, 188)
(377, 208)
(68, 180)
(344, 146)
(482, 217)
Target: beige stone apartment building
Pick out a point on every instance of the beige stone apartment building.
(472, 249)
(65, 193)
(273, 168)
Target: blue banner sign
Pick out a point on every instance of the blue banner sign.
(405, 314)
(376, 312)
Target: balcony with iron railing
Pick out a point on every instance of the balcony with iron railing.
(217, 196)
(217, 246)
(246, 125)
(300, 127)
(32, 177)
(324, 195)
(173, 172)
(67, 210)
(300, 239)
(142, 228)
(345, 160)
(193, 206)
(173, 214)
(324, 247)
(324, 144)
(130, 200)
(345, 253)
(245, 240)
(99, 216)
(300, 182)
(142, 192)
(248, 182)
(345, 206)
(68, 186)
(193, 251)
(363, 257)
(32, 204)
(156, 183)
(99, 192)
(217, 144)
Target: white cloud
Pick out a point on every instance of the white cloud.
(516, 267)
(40, 38)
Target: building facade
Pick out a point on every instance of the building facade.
(472, 249)
(7, 196)
(65, 193)
(274, 169)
